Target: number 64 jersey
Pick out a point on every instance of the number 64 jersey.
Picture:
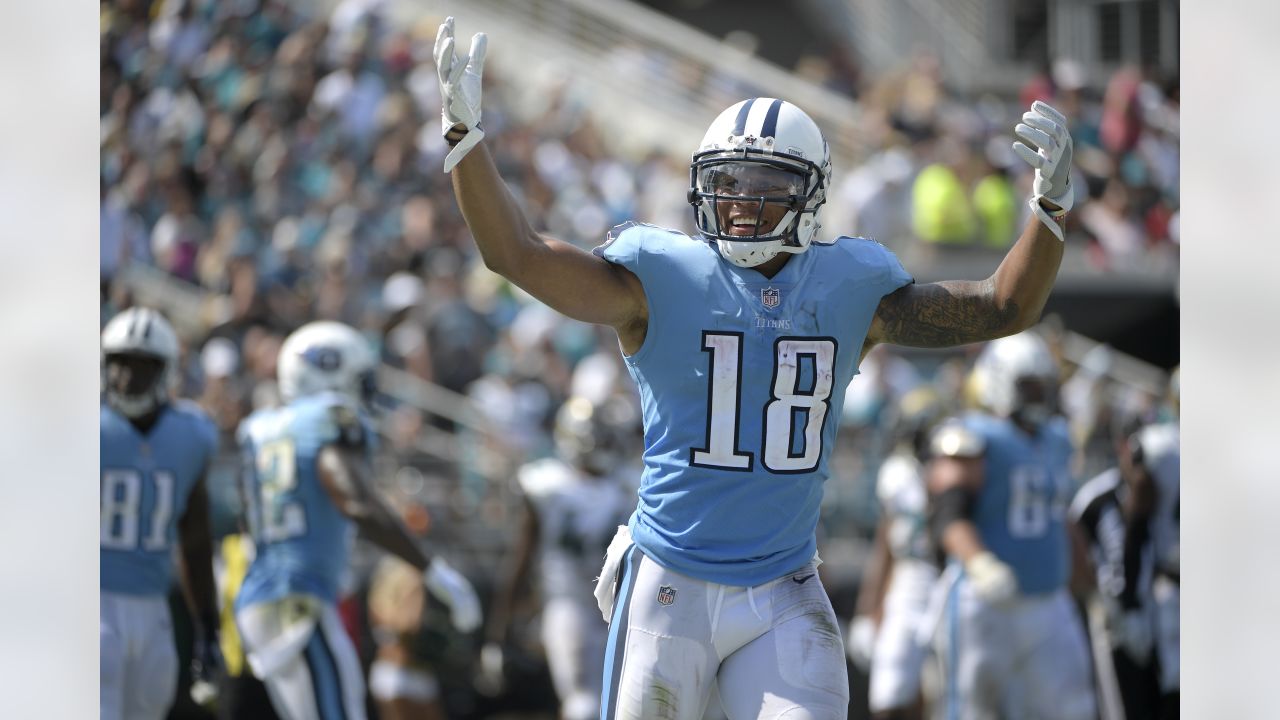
(741, 379)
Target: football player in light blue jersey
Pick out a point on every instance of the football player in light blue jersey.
(307, 488)
(153, 458)
(741, 342)
(1012, 643)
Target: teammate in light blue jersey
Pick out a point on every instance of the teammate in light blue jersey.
(307, 487)
(742, 341)
(153, 459)
(1012, 643)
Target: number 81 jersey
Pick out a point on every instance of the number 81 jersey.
(301, 540)
(742, 379)
(145, 481)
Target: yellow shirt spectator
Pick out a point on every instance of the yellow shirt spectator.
(940, 210)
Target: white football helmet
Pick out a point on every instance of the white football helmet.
(325, 357)
(143, 334)
(1009, 361)
(760, 151)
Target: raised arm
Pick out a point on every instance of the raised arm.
(570, 280)
(957, 312)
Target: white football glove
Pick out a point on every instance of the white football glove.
(1046, 130)
(460, 89)
(862, 641)
(451, 588)
(1130, 630)
(991, 579)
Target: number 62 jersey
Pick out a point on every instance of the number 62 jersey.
(742, 379)
(302, 541)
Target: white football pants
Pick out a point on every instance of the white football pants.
(574, 638)
(897, 657)
(137, 662)
(299, 649)
(775, 649)
(1024, 659)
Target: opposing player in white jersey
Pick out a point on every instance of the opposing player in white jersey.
(307, 487)
(154, 455)
(1011, 642)
(574, 504)
(740, 342)
(895, 591)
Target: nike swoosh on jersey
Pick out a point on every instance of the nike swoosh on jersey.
(801, 580)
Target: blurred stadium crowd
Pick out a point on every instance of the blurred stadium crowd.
(277, 168)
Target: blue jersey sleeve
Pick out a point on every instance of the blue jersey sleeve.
(890, 273)
(624, 246)
(896, 276)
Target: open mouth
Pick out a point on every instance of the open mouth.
(743, 226)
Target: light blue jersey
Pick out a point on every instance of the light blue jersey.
(145, 482)
(1020, 512)
(741, 380)
(302, 541)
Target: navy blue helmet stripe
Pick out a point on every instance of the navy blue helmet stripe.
(770, 128)
(740, 124)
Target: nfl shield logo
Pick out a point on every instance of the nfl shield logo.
(770, 297)
(666, 595)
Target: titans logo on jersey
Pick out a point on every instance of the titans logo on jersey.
(741, 379)
(145, 481)
(302, 541)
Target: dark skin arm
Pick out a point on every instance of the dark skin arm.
(572, 281)
(195, 559)
(345, 476)
(958, 312)
(515, 577)
(1083, 576)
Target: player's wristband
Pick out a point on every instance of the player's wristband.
(1054, 221)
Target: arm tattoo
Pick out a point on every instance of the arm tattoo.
(944, 314)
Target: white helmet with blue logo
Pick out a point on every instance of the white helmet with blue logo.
(325, 357)
(760, 155)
